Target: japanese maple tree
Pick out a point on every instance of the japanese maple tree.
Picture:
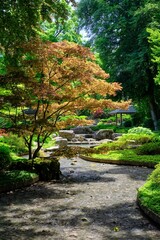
(54, 80)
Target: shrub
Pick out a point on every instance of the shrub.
(16, 143)
(137, 138)
(46, 168)
(128, 123)
(149, 193)
(5, 158)
(105, 147)
(10, 180)
(148, 149)
(5, 123)
(139, 130)
(148, 123)
(99, 113)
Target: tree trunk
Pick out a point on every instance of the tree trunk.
(30, 151)
(151, 97)
(35, 154)
(153, 115)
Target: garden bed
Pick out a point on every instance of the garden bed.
(148, 212)
(124, 157)
(118, 162)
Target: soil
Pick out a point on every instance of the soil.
(91, 201)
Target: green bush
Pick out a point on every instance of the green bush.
(137, 138)
(149, 149)
(21, 164)
(5, 158)
(116, 145)
(5, 122)
(148, 123)
(10, 180)
(149, 193)
(15, 143)
(140, 130)
(46, 168)
(128, 123)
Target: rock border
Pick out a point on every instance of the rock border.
(148, 212)
(118, 162)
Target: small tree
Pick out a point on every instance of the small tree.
(54, 80)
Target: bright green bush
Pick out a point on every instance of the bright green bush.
(149, 149)
(149, 193)
(105, 147)
(140, 130)
(138, 138)
(125, 141)
(15, 143)
(5, 158)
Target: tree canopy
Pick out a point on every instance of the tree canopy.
(154, 40)
(62, 30)
(54, 80)
(19, 20)
(118, 31)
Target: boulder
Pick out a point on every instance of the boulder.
(82, 130)
(115, 136)
(103, 134)
(88, 135)
(62, 142)
(68, 134)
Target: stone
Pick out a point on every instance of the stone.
(103, 134)
(68, 134)
(83, 130)
(62, 142)
(88, 135)
(115, 136)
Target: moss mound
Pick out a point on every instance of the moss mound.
(10, 180)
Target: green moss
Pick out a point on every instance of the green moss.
(14, 179)
(151, 148)
(127, 155)
(138, 138)
(149, 193)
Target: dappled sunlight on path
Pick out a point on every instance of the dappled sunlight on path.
(91, 201)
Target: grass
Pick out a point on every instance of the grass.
(149, 193)
(127, 155)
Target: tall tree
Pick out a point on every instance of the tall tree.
(154, 40)
(118, 32)
(54, 79)
(62, 30)
(19, 19)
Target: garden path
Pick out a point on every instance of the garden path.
(92, 201)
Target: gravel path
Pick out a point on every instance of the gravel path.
(93, 201)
